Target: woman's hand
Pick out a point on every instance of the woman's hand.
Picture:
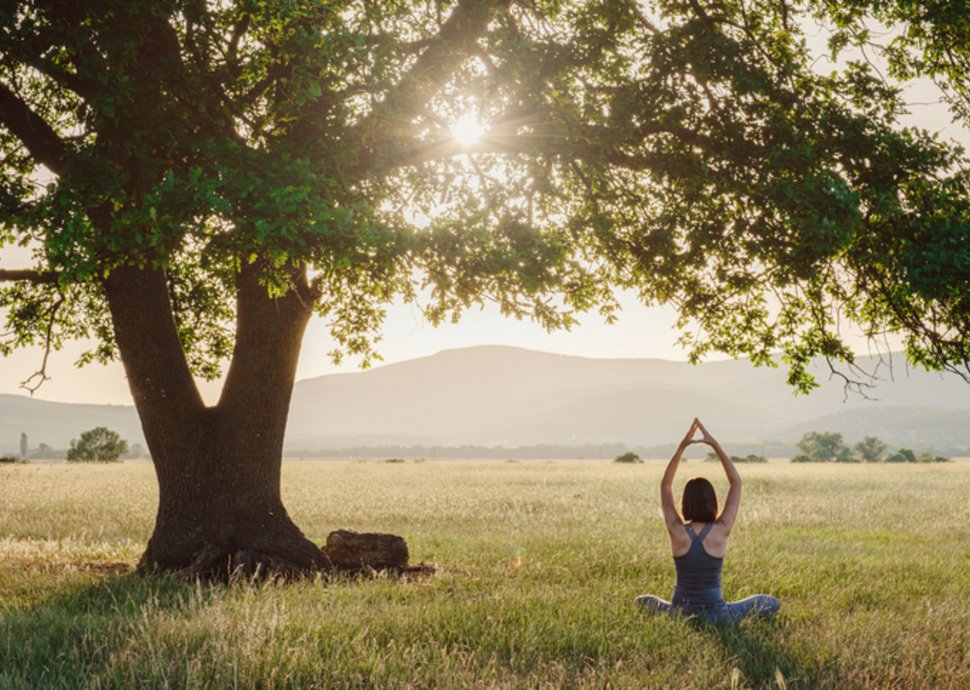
(689, 438)
(705, 434)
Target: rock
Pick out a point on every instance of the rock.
(355, 550)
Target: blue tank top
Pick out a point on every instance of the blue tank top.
(698, 574)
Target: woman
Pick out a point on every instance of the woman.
(698, 541)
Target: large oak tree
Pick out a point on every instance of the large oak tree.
(197, 178)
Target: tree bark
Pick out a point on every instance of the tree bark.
(218, 468)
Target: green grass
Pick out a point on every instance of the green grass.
(538, 563)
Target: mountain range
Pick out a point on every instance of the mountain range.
(505, 396)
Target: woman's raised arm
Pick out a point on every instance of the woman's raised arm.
(672, 518)
(733, 501)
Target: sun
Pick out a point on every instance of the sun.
(467, 130)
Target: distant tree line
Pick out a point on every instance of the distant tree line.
(543, 451)
(863, 451)
(829, 446)
(95, 445)
(750, 457)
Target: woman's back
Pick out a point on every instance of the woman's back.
(715, 543)
(698, 573)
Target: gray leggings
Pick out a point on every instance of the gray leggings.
(762, 605)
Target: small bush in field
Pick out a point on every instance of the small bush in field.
(929, 457)
(9, 458)
(629, 456)
(751, 457)
(395, 460)
(902, 455)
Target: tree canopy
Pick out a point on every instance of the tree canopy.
(823, 446)
(870, 449)
(99, 444)
(685, 150)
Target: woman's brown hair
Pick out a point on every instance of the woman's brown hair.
(699, 502)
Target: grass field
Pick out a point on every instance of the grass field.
(538, 563)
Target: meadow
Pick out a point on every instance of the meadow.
(537, 564)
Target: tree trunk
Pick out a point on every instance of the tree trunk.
(218, 468)
(220, 510)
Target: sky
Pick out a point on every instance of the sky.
(640, 332)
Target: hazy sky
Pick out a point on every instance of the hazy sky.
(640, 332)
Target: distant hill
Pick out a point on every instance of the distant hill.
(504, 396)
(56, 423)
(493, 395)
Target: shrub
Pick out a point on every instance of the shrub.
(395, 460)
(801, 457)
(97, 445)
(926, 456)
(751, 457)
(9, 458)
(628, 456)
(902, 455)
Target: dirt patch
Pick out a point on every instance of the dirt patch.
(407, 572)
(106, 568)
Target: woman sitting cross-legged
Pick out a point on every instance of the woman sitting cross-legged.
(698, 541)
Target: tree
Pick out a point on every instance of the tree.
(825, 446)
(934, 40)
(45, 452)
(24, 447)
(845, 454)
(97, 445)
(870, 449)
(628, 457)
(135, 452)
(197, 178)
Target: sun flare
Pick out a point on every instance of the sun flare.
(467, 130)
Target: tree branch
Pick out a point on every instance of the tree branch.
(80, 85)
(39, 137)
(33, 382)
(28, 275)
(239, 30)
(580, 144)
(453, 44)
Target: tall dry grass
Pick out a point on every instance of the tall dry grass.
(538, 563)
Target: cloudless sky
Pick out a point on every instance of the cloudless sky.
(640, 331)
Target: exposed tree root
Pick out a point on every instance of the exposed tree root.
(218, 563)
(347, 554)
